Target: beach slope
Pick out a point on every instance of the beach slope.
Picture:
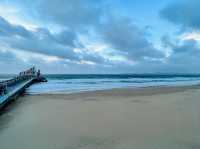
(151, 118)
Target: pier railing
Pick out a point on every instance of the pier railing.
(12, 88)
(23, 76)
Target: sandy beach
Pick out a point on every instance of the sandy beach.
(149, 118)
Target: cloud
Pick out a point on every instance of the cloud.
(179, 47)
(66, 13)
(124, 38)
(128, 39)
(8, 29)
(125, 47)
(7, 57)
(184, 49)
(184, 55)
(117, 31)
(42, 41)
(10, 63)
(190, 36)
(184, 13)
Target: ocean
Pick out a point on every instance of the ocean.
(90, 82)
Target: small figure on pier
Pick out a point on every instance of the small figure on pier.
(38, 73)
(3, 89)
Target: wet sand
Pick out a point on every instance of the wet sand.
(151, 118)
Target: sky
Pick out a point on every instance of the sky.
(100, 36)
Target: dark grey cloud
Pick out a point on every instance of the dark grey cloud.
(188, 46)
(184, 13)
(7, 57)
(122, 35)
(76, 17)
(7, 29)
(66, 37)
(184, 55)
(67, 13)
(42, 41)
(179, 47)
(118, 32)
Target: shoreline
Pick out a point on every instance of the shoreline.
(163, 89)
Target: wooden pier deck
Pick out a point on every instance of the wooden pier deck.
(12, 88)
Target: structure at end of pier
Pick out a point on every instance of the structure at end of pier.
(10, 89)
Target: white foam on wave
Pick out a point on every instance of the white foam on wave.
(78, 85)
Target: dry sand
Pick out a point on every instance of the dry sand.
(151, 118)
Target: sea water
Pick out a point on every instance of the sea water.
(65, 83)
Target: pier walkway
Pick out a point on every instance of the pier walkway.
(12, 88)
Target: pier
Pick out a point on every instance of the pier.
(10, 89)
